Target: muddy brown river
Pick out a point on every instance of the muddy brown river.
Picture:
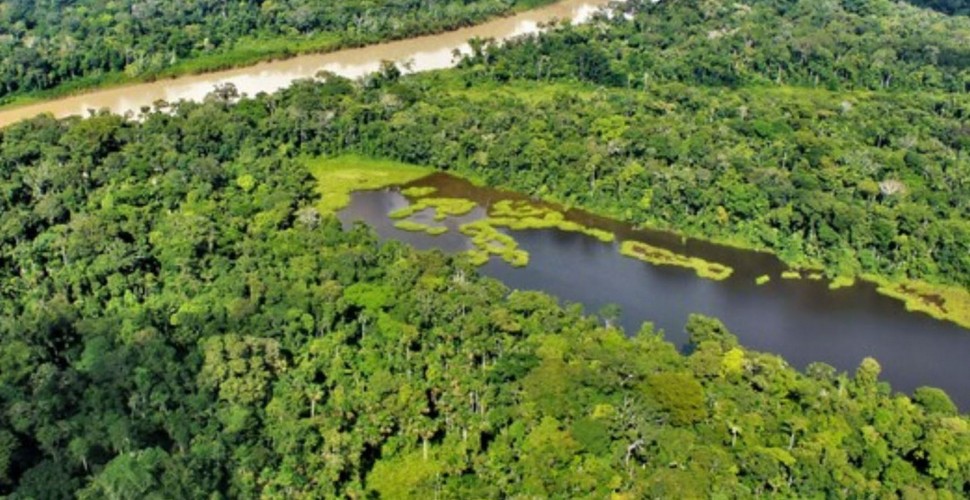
(424, 53)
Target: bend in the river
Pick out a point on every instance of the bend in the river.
(425, 53)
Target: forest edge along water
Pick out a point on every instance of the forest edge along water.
(435, 52)
(804, 320)
(421, 53)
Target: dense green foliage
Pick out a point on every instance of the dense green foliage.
(834, 44)
(45, 44)
(861, 173)
(177, 320)
(697, 135)
(799, 172)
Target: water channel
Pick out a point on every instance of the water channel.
(801, 320)
(424, 53)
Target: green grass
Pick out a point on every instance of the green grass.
(791, 275)
(490, 241)
(520, 209)
(251, 50)
(662, 256)
(417, 227)
(841, 282)
(521, 215)
(943, 302)
(419, 191)
(443, 207)
(763, 279)
(340, 176)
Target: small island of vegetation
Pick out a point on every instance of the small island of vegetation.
(182, 315)
(662, 256)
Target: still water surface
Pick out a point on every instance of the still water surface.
(425, 53)
(802, 320)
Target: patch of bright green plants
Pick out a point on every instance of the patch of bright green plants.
(419, 191)
(417, 227)
(944, 302)
(662, 256)
(484, 233)
(340, 176)
(763, 279)
(519, 215)
(490, 241)
(841, 282)
(443, 207)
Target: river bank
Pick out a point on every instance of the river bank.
(928, 293)
(343, 176)
(805, 320)
(424, 53)
(248, 52)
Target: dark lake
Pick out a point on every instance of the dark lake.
(802, 320)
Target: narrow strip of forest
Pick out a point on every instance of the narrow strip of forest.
(54, 51)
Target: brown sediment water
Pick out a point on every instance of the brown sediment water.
(423, 53)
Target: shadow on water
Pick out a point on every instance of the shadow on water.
(801, 320)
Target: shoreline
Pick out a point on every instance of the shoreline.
(319, 45)
(943, 302)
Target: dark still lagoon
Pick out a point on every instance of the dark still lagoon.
(802, 320)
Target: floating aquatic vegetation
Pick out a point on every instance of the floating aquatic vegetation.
(662, 256)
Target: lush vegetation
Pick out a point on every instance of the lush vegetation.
(483, 232)
(663, 257)
(181, 315)
(849, 173)
(81, 43)
(835, 45)
(419, 227)
(179, 318)
(519, 215)
(442, 207)
(842, 161)
(338, 177)
(856, 182)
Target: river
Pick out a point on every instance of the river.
(425, 53)
(801, 320)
